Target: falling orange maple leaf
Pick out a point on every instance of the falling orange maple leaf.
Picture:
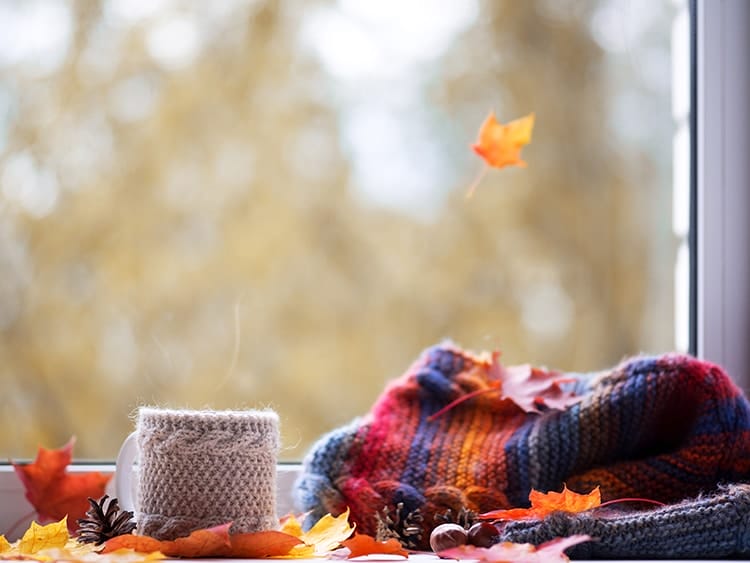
(500, 145)
(210, 542)
(53, 492)
(362, 544)
(543, 504)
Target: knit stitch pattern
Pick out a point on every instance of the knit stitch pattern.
(664, 428)
(199, 469)
(706, 527)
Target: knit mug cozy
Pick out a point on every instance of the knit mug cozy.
(663, 428)
(198, 469)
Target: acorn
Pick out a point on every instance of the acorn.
(447, 536)
(483, 534)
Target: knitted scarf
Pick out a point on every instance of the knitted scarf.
(665, 428)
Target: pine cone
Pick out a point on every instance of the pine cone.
(102, 524)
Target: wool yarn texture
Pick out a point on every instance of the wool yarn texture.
(199, 469)
(707, 527)
(664, 428)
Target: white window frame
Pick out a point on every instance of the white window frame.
(723, 185)
(722, 231)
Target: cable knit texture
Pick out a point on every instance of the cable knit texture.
(665, 428)
(199, 469)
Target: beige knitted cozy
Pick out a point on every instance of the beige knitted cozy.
(199, 469)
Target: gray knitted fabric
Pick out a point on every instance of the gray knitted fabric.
(707, 527)
(199, 469)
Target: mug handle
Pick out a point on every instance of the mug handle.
(124, 472)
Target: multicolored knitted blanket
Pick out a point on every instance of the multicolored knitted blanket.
(665, 428)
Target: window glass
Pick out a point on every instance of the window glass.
(264, 204)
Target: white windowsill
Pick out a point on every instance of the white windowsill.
(13, 506)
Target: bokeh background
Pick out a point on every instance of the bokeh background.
(238, 204)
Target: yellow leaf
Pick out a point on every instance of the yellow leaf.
(301, 552)
(4, 544)
(328, 533)
(292, 526)
(85, 554)
(39, 537)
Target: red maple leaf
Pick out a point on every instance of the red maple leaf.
(531, 388)
(528, 388)
(53, 492)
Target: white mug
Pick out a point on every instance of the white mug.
(183, 470)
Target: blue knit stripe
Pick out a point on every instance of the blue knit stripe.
(517, 457)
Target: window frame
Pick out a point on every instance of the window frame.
(719, 233)
(721, 184)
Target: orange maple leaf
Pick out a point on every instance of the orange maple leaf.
(258, 545)
(210, 542)
(543, 504)
(362, 544)
(53, 492)
(500, 145)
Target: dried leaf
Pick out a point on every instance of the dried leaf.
(328, 533)
(200, 543)
(362, 544)
(543, 504)
(500, 145)
(124, 556)
(72, 551)
(531, 388)
(45, 543)
(256, 545)
(39, 537)
(53, 492)
(528, 388)
(86, 554)
(291, 525)
(211, 542)
(301, 551)
(550, 552)
(566, 501)
(141, 544)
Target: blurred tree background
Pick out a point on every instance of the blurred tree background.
(239, 204)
